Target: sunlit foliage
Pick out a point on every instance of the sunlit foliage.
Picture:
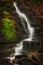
(8, 29)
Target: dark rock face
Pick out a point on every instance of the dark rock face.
(33, 9)
(4, 62)
(31, 46)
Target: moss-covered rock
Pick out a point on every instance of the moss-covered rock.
(9, 31)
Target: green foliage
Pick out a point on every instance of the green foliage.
(8, 23)
(8, 29)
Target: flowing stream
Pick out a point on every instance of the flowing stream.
(19, 47)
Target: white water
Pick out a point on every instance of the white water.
(19, 47)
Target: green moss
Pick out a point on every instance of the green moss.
(5, 13)
(8, 29)
(8, 23)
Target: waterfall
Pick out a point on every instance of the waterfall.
(22, 15)
(19, 47)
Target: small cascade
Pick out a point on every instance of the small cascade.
(19, 47)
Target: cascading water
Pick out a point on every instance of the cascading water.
(19, 47)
